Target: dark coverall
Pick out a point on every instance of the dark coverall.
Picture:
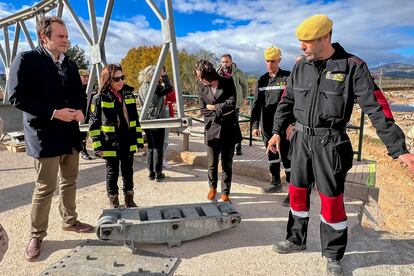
(268, 95)
(320, 97)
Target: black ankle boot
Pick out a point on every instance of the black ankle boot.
(129, 199)
(159, 176)
(334, 267)
(113, 201)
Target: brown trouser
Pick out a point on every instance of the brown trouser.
(47, 172)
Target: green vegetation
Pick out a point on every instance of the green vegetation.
(77, 54)
(138, 58)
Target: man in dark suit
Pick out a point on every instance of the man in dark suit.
(45, 85)
(217, 97)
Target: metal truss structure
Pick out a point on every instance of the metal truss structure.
(96, 41)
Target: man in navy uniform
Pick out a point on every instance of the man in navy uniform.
(319, 97)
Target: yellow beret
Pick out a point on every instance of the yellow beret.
(314, 27)
(83, 72)
(272, 53)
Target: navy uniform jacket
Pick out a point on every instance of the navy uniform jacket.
(325, 98)
(221, 124)
(268, 94)
(36, 87)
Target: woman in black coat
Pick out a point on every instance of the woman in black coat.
(217, 97)
(155, 136)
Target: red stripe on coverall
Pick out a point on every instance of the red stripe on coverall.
(332, 208)
(384, 104)
(298, 198)
(283, 95)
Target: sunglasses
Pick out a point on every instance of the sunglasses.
(117, 79)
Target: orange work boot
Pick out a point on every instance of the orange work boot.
(225, 198)
(212, 193)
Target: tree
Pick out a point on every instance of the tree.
(77, 54)
(138, 58)
(252, 82)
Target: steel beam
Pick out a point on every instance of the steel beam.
(15, 41)
(78, 22)
(154, 81)
(27, 34)
(174, 60)
(96, 40)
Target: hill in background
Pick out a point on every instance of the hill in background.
(394, 70)
(389, 70)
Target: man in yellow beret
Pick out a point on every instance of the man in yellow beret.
(269, 90)
(319, 96)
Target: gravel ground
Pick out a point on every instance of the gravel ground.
(245, 250)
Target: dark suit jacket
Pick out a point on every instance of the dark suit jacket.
(36, 87)
(221, 124)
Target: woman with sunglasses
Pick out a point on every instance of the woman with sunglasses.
(116, 132)
(155, 136)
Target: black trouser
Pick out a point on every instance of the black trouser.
(237, 112)
(112, 173)
(227, 153)
(325, 159)
(84, 136)
(155, 140)
(273, 158)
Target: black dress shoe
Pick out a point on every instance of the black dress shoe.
(286, 201)
(286, 247)
(85, 156)
(274, 187)
(151, 176)
(334, 267)
(159, 176)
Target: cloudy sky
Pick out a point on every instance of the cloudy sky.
(380, 31)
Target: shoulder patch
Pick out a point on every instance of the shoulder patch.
(356, 59)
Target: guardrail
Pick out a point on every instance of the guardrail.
(250, 138)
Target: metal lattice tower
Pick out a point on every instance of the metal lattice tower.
(96, 42)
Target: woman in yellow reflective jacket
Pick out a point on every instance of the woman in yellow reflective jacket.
(115, 131)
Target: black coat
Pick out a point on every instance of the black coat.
(221, 124)
(36, 87)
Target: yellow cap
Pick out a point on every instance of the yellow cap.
(314, 27)
(83, 72)
(272, 53)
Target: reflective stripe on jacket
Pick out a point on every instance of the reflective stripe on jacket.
(104, 124)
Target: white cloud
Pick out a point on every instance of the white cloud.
(370, 29)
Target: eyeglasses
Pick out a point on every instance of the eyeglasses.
(117, 79)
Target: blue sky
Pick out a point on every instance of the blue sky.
(379, 31)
